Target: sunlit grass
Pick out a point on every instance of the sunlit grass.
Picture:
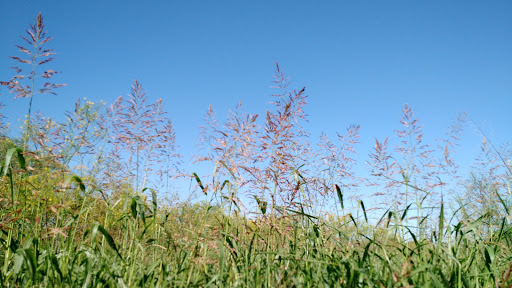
(135, 242)
(77, 208)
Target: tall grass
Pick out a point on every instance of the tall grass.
(102, 243)
(275, 212)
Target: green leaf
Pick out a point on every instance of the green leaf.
(405, 213)
(390, 214)
(505, 206)
(8, 158)
(55, 265)
(110, 240)
(489, 257)
(302, 214)
(21, 158)
(382, 217)
(261, 204)
(413, 237)
(153, 200)
(232, 245)
(366, 253)
(18, 262)
(441, 223)
(133, 207)
(251, 247)
(31, 260)
(316, 230)
(503, 223)
(199, 182)
(353, 220)
(340, 196)
(364, 210)
(77, 181)
(146, 228)
(223, 184)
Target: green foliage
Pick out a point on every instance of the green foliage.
(153, 245)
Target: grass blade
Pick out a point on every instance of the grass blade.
(340, 196)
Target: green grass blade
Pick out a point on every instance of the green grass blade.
(97, 227)
(364, 210)
(199, 182)
(405, 213)
(75, 179)
(441, 224)
(340, 196)
(8, 159)
(505, 206)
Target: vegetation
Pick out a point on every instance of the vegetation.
(87, 202)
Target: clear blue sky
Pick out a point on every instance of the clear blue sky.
(360, 61)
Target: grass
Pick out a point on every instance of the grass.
(139, 243)
(75, 211)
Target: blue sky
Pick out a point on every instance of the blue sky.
(360, 61)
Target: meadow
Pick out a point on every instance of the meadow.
(90, 201)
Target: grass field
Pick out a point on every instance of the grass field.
(85, 202)
(132, 241)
